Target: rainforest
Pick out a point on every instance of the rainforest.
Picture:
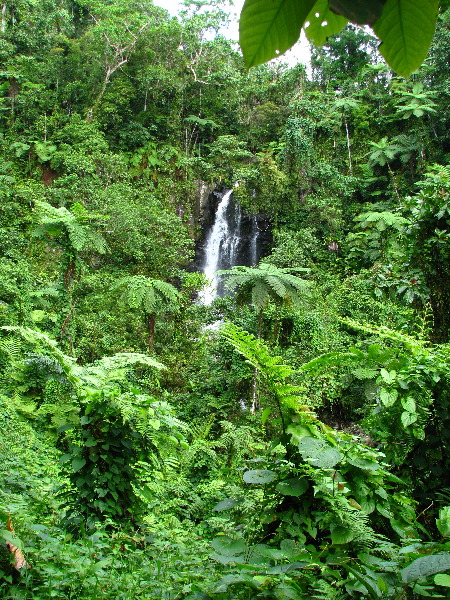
(224, 308)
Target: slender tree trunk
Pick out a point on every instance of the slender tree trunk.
(3, 24)
(255, 399)
(151, 331)
(350, 166)
(69, 279)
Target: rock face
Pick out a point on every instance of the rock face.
(235, 237)
(202, 202)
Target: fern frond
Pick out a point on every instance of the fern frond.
(332, 360)
(67, 363)
(12, 348)
(260, 298)
(77, 235)
(140, 291)
(276, 285)
(114, 368)
(413, 344)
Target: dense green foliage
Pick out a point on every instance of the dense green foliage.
(301, 450)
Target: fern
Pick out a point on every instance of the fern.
(413, 344)
(60, 222)
(264, 283)
(332, 360)
(97, 376)
(12, 348)
(150, 294)
(270, 369)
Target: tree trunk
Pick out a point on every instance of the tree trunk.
(350, 166)
(151, 331)
(255, 399)
(3, 24)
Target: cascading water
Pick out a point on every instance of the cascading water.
(232, 240)
(221, 245)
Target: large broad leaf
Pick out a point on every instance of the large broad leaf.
(227, 546)
(293, 487)
(442, 580)
(406, 28)
(322, 23)
(362, 13)
(425, 566)
(259, 476)
(443, 523)
(268, 28)
(226, 504)
(319, 452)
(77, 464)
(388, 397)
(341, 535)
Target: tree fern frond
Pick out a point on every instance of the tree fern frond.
(98, 242)
(147, 298)
(140, 291)
(77, 235)
(332, 360)
(97, 376)
(12, 348)
(413, 344)
(67, 363)
(260, 297)
(277, 286)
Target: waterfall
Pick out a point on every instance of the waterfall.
(233, 239)
(221, 246)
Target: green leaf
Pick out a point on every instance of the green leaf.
(227, 546)
(341, 535)
(327, 458)
(259, 476)
(408, 418)
(425, 566)
(363, 463)
(406, 28)
(361, 13)
(268, 28)
(293, 487)
(299, 432)
(409, 404)
(310, 446)
(442, 580)
(77, 464)
(388, 398)
(319, 452)
(388, 376)
(265, 414)
(323, 23)
(443, 523)
(226, 504)
(64, 458)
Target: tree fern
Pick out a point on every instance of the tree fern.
(102, 373)
(57, 222)
(263, 284)
(151, 295)
(269, 368)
